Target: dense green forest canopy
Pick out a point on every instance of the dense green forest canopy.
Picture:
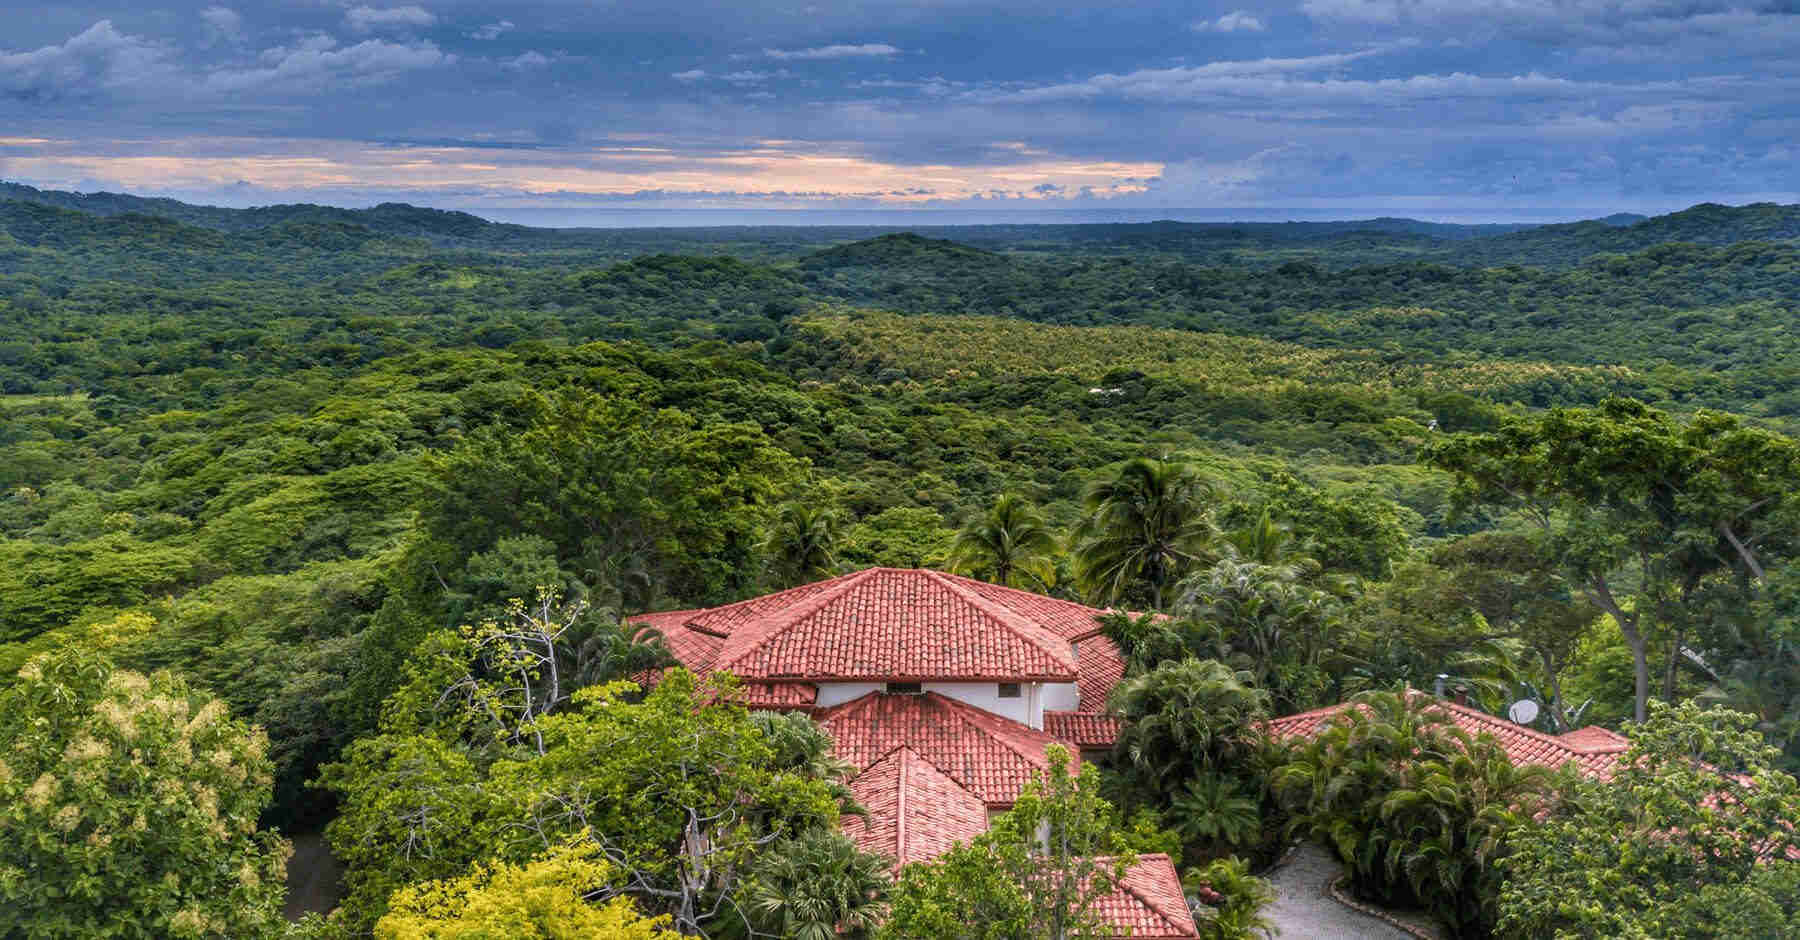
(275, 451)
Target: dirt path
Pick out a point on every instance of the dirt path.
(1303, 909)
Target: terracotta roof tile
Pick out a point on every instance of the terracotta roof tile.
(1066, 619)
(1083, 728)
(877, 624)
(915, 811)
(991, 756)
(1149, 902)
(1594, 751)
(1101, 666)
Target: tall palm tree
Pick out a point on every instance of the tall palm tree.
(1009, 544)
(802, 543)
(1146, 526)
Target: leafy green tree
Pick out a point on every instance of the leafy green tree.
(1419, 811)
(543, 899)
(1693, 803)
(1146, 525)
(1357, 533)
(1264, 620)
(130, 806)
(1038, 872)
(899, 537)
(1009, 544)
(817, 886)
(802, 543)
(1185, 717)
(1639, 510)
(680, 790)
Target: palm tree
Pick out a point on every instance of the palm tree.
(1009, 544)
(1146, 526)
(1214, 810)
(802, 543)
(818, 886)
(1186, 716)
(1264, 620)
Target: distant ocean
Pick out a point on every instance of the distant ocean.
(916, 218)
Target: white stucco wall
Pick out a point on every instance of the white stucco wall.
(1061, 696)
(1027, 709)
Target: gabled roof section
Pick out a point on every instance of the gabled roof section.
(915, 811)
(1102, 666)
(1148, 903)
(1084, 728)
(886, 624)
(1066, 619)
(990, 756)
(1594, 751)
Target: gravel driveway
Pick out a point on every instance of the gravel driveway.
(1303, 909)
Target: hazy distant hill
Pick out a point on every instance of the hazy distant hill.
(388, 218)
(1570, 243)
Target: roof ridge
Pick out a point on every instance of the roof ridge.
(1513, 726)
(760, 631)
(996, 727)
(1034, 597)
(1052, 645)
(1167, 918)
(900, 801)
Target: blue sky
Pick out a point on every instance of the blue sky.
(1412, 104)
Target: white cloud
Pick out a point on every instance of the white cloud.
(492, 31)
(369, 19)
(100, 59)
(1237, 21)
(867, 50)
(1176, 83)
(222, 24)
(530, 59)
(691, 75)
(316, 63)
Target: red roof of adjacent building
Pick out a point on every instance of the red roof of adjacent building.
(990, 756)
(916, 812)
(1594, 751)
(1148, 903)
(1083, 728)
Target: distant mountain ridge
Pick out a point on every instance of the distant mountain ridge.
(1264, 245)
(390, 218)
(1568, 243)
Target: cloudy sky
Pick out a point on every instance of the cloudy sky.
(1606, 104)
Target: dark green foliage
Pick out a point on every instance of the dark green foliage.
(1417, 809)
(1695, 823)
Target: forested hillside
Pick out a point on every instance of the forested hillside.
(280, 452)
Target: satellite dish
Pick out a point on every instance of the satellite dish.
(1524, 711)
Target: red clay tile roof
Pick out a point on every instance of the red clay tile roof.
(990, 756)
(881, 624)
(1149, 902)
(1083, 728)
(1101, 666)
(1066, 619)
(1594, 751)
(915, 811)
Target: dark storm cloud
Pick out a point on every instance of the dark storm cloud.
(1635, 103)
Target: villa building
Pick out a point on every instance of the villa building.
(943, 692)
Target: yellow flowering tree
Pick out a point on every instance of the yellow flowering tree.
(545, 899)
(128, 808)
